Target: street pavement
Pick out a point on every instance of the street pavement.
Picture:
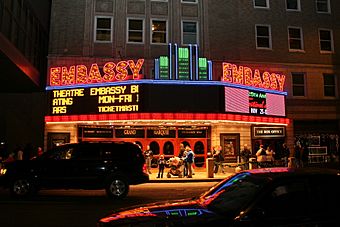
(82, 208)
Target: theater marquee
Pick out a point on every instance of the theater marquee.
(94, 100)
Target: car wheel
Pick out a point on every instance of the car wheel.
(117, 188)
(21, 187)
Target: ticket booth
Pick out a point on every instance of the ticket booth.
(272, 136)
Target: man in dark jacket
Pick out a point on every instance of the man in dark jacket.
(189, 159)
(245, 155)
(285, 154)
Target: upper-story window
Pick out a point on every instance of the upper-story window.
(263, 37)
(189, 1)
(295, 39)
(189, 32)
(159, 31)
(329, 85)
(298, 82)
(323, 6)
(293, 5)
(326, 40)
(135, 31)
(261, 3)
(103, 29)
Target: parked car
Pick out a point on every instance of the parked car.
(260, 197)
(111, 166)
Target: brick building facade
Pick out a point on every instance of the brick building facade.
(299, 39)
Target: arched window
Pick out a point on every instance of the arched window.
(154, 146)
(199, 148)
(168, 148)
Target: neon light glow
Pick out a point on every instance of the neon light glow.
(108, 99)
(167, 117)
(203, 69)
(170, 61)
(183, 63)
(252, 78)
(257, 103)
(196, 61)
(78, 74)
(190, 61)
(164, 67)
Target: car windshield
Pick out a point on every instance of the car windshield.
(232, 194)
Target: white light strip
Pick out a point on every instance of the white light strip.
(196, 60)
(190, 61)
(157, 69)
(157, 122)
(170, 61)
(210, 70)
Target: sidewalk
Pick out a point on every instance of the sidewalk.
(200, 175)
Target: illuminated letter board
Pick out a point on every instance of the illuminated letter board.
(203, 69)
(94, 100)
(164, 68)
(183, 63)
(257, 103)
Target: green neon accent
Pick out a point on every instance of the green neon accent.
(203, 69)
(183, 63)
(192, 213)
(203, 63)
(174, 213)
(183, 53)
(163, 61)
(164, 67)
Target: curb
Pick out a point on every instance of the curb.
(183, 180)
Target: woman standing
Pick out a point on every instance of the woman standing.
(148, 155)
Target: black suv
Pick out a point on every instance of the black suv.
(113, 166)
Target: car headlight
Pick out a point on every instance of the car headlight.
(3, 171)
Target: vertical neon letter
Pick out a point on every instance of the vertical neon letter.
(55, 76)
(227, 72)
(135, 68)
(68, 77)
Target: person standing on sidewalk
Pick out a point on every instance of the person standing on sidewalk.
(161, 165)
(185, 164)
(245, 155)
(285, 152)
(189, 160)
(148, 158)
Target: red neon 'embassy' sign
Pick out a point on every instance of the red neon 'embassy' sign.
(78, 74)
(247, 76)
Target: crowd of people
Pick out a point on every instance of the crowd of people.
(184, 161)
(265, 156)
(20, 153)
